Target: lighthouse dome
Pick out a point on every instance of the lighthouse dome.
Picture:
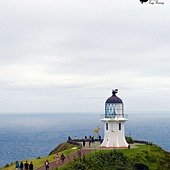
(114, 98)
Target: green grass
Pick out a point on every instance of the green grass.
(148, 156)
(39, 162)
(145, 156)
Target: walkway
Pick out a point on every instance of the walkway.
(85, 150)
(69, 158)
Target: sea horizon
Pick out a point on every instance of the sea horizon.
(24, 136)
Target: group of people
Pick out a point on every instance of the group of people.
(90, 139)
(57, 157)
(24, 166)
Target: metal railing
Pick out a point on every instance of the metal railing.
(114, 116)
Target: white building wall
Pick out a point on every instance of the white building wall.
(113, 136)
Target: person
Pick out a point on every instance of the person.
(101, 141)
(89, 143)
(17, 165)
(100, 138)
(21, 166)
(26, 165)
(31, 166)
(92, 139)
(57, 158)
(128, 146)
(84, 143)
(68, 157)
(62, 157)
(46, 165)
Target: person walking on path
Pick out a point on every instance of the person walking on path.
(68, 157)
(31, 166)
(46, 165)
(26, 165)
(21, 166)
(57, 158)
(71, 157)
(62, 157)
(17, 165)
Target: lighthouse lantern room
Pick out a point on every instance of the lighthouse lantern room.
(114, 120)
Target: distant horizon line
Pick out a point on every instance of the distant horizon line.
(87, 112)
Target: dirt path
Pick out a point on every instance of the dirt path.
(69, 158)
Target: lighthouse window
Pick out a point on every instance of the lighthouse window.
(106, 126)
(119, 126)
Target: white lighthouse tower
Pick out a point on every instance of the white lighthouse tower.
(114, 120)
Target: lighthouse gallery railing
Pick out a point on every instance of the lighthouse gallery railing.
(114, 116)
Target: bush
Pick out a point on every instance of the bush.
(6, 165)
(140, 166)
(102, 160)
(129, 140)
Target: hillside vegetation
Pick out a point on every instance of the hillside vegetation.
(144, 157)
(141, 157)
(66, 148)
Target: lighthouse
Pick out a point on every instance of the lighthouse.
(114, 120)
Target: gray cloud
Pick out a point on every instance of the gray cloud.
(72, 53)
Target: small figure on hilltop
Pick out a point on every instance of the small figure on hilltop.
(128, 146)
(69, 138)
(31, 166)
(92, 139)
(46, 165)
(57, 158)
(89, 143)
(84, 143)
(99, 138)
(62, 157)
(17, 165)
(26, 165)
(21, 166)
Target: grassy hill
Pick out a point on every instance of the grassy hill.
(141, 157)
(66, 148)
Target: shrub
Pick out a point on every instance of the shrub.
(140, 166)
(129, 140)
(6, 165)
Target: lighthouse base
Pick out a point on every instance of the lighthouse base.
(114, 136)
(120, 147)
(114, 146)
(114, 140)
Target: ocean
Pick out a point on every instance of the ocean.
(24, 136)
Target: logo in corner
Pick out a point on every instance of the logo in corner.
(142, 1)
(152, 2)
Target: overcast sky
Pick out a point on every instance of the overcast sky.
(68, 55)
